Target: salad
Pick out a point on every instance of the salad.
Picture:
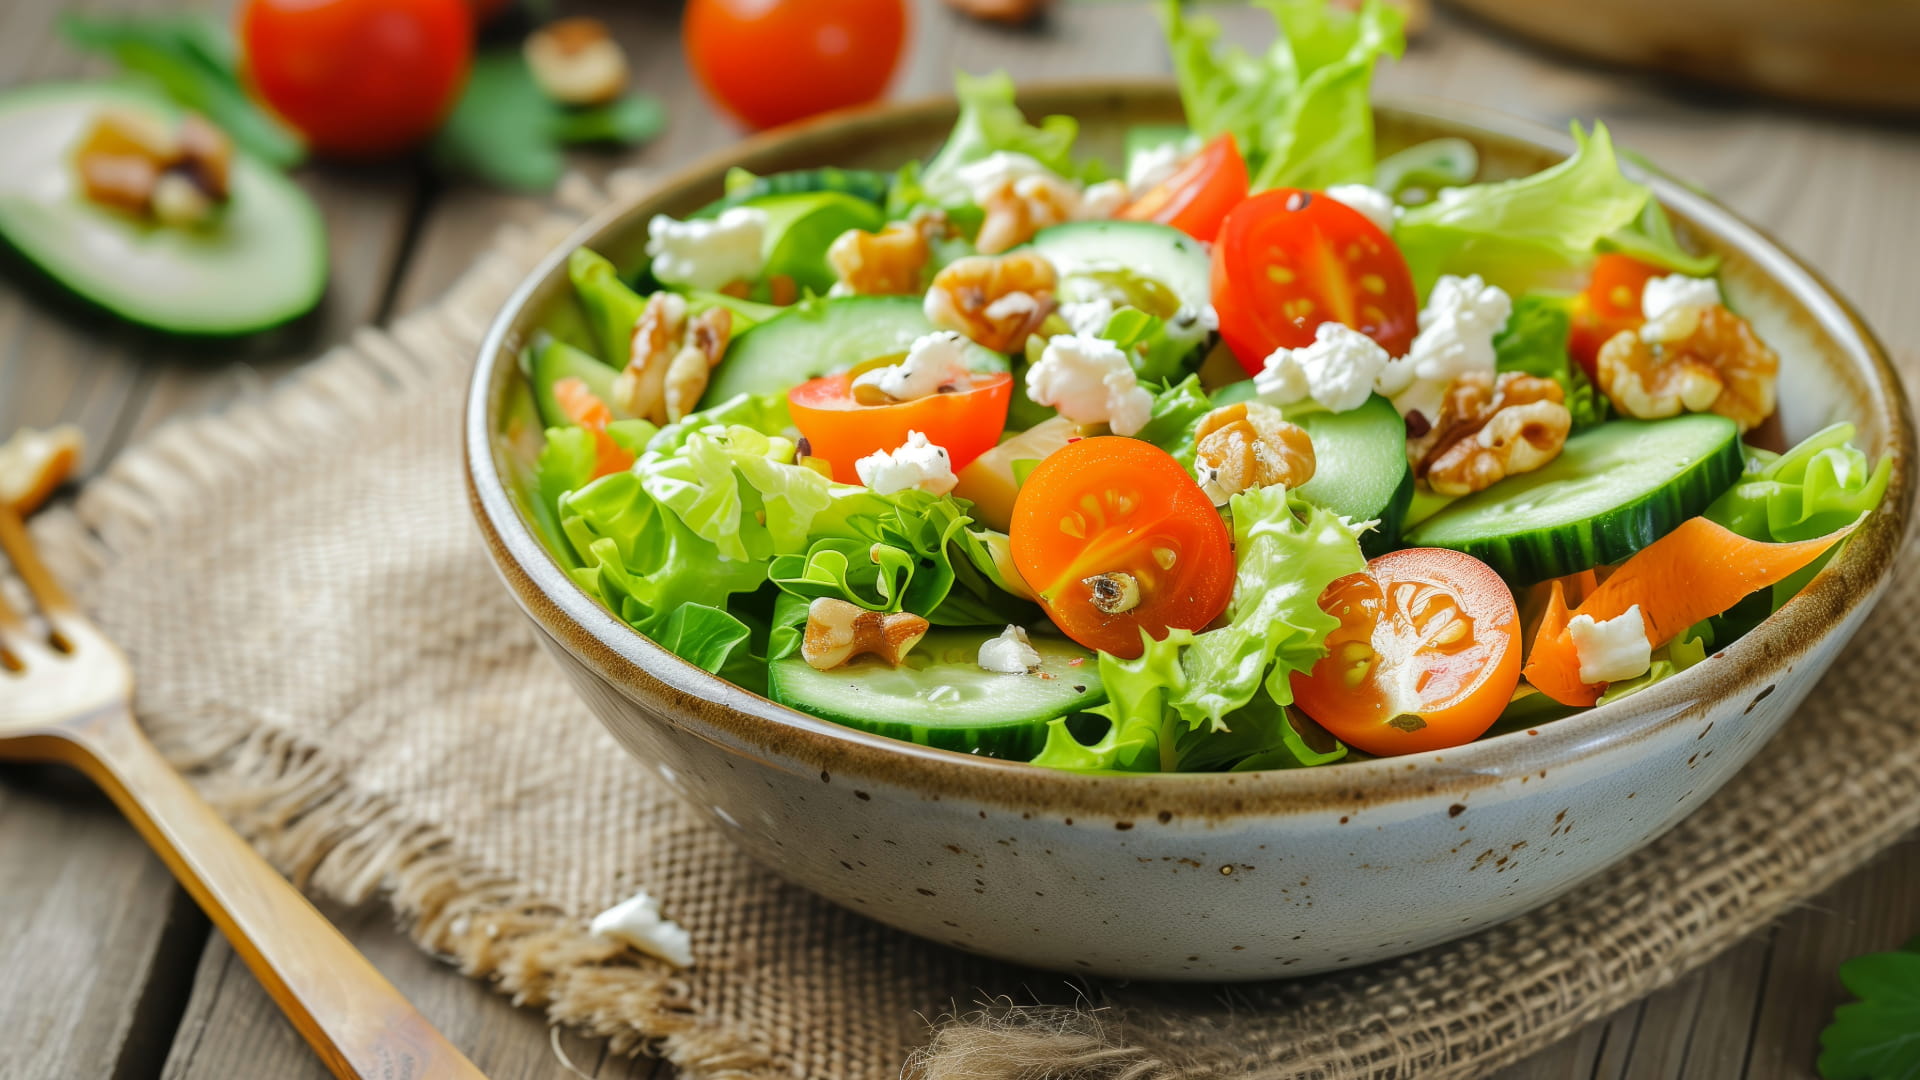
(1256, 452)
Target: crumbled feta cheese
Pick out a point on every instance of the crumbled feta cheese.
(1338, 370)
(917, 463)
(1672, 305)
(1375, 205)
(1089, 381)
(932, 362)
(1102, 200)
(1153, 166)
(1188, 326)
(1012, 653)
(1088, 317)
(636, 922)
(1611, 650)
(1455, 339)
(708, 254)
(1002, 167)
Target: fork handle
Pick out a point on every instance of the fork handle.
(362, 1028)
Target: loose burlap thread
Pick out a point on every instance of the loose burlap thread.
(321, 640)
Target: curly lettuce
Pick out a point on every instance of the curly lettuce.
(990, 123)
(1823, 484)
(1534, 342)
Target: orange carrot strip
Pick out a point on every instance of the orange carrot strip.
(1698, 570)
(583, 408)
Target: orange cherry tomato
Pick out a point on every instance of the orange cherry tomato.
(966, 422)
(1117, 506)
(1610, 304)
(1288, 260)
(1426, 657)
(1196, 199)
(584, 408)
(769, 62)
(358, 78)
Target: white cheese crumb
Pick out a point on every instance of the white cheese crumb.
(636, 922)
(1375, 205)
(1002, 167)
(1456, 338)
(1188, 326)
(1155, 165)
(917, 463)
(933, 361)
(1012, 653)
(1611, 650)
(1338, 370)
(1089, 381)
(1672, 305)
(1087, 317)
(708, 254)
(1102, 200)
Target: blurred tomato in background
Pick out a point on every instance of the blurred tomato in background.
(772, 61)
(359, 78)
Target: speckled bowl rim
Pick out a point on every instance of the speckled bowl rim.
(747, 723)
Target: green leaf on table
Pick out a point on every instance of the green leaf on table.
(1878, 1036)
(505, 131)
(194, 61)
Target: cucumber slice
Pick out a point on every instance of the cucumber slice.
(1614, 489)
(1361, 468)
(1142, 248)
(818, 337)
(942, 697)
(800, 228)
(556, 360)
(867, 184)
(262, 262)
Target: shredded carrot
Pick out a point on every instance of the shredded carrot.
(587, 410)
(1698, 570)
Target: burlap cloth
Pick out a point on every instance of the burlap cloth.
(319, 635)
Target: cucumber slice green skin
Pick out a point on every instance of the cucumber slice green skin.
(869, 185)
(556, 360)
(1613, 490)
(1361, 468)
(261, 263)
(954, 703)
(819, 337)
(1161, 252)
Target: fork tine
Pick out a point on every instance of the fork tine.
(46, 592)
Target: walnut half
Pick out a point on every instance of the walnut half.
(1722, 366)
(1249, 445)
(891, 262)
(671, 359)
(1490, 429)
(995, 300)
(838, 631)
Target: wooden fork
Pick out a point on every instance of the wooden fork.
(65, 696)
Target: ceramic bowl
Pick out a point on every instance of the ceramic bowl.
(1217, 876)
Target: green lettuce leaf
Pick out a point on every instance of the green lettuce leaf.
(1177, 412)
(991, 122)
(1651, 239)
(1536, 231)
(1534, 342)
(1300, 112)
(612, 309)
(1823, 484)
(1143, 729)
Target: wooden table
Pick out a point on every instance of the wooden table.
(111, 972)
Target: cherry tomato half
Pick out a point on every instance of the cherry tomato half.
(1426, 657)
(1610, 304)
(1288, 260)
(1196, 199)
(967, 421)
(1124, 512)
(358, 78)
(769, 62)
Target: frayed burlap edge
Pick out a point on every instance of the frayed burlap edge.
(296, 804)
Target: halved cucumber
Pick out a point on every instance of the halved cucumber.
(942, 697)
(1613, 490)
(552, 361)
(819, 337)
(1160, 252)
(1361, 468)
(262, 262)
(868, 184)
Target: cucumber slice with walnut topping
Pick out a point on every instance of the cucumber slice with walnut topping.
(942, 697)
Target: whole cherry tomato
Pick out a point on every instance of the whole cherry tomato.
(1196, 199)
(1115, 538)
(1288, 260)
(966, 422)
(1427, 654)
(358, 78)
(769, 62)
(1610, 304)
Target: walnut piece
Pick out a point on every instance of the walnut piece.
(1490, 428)
(995, 300)
(838, 631)
(706, 342)
(671, 359)
(1248, 445)
(1722, 366)
(33, 463)
(1019, 207)
(891, 262)
(576, 62)
(137, 164)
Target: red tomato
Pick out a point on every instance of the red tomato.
(1288, 260)
(1196, 199)
(1426, 657)
(1610, 304)
(358, 78)
(769, 62)
(966, 422)
(1099, 511)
